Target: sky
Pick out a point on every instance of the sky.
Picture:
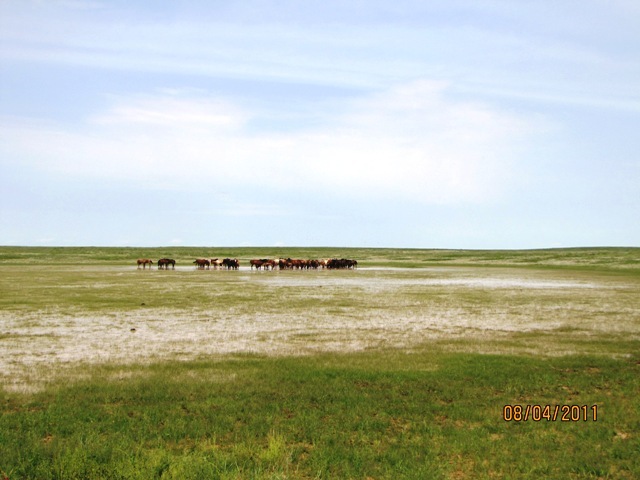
(475, 124)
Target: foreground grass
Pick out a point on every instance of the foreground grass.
(428, 414)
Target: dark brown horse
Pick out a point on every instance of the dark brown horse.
(231, 263)
(165, 262)
(144, 262)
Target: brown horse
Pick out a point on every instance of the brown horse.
(144, 262)
(257, 263)
(269, 263)
(165, 262)
(202, 263)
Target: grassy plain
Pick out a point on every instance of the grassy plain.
(400, 369)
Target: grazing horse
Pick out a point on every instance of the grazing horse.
(202, 263)
(342, 263)
(165, 262)
(144, 262)
(257, 263)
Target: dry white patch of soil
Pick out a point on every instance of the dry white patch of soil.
(37, 345)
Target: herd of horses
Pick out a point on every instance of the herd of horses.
(227, 263)
(163, 263)
(258, 263)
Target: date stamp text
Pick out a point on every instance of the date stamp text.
(550, 413)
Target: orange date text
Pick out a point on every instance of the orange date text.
(550, 413)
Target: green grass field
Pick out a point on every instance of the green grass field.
(403, 368)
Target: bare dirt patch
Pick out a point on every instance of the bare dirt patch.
(299, 313)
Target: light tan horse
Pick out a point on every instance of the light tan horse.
(143, 262)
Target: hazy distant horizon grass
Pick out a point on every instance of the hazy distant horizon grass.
(605, 257)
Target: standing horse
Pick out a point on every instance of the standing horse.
(231, 263)
(165, 262)
(257, 263)
(202, 263)
(269, 263)
(144, 262)
(216, 263)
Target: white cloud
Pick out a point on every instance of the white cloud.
(409, 142)
(171, 111)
